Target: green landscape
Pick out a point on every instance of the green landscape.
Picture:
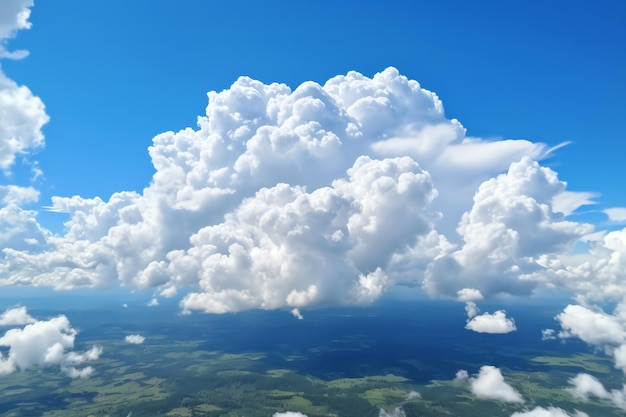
(182, 380)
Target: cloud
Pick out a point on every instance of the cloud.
(134, 339)
(568, 201)
(397, 412)
(296, 313)
(490, 385)
(496, 323)
(153, 302)
(324, 194)
(593, 327)
(14, 16)
(586, 386)
(289, 414)
(13, 194)
(616, 214)
(548, 334)
(472, 309)
(461, 375)
(598, 274)
(15, 316)
(469, 295)
(45, 343)
(23, 114)
(508, 233)
(548, 412)
(619, 355)
(413, 395)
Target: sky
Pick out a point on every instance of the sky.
(344, 151)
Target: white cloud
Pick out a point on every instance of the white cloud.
(14, 16)
(15, 316)
(496, 323)
(616, 214)
(153, 302)
(619, 355)
(548, 412)
(461, 375)
(413, 395)
(593, 327)
(471, 309)
(586, 386)
(296, 313)
(23, 114)
(548, 334)
(490, 385)
(397, 412)
(469, 295)
(600, 273)
(43, 344)
(287, 247)
(567, 202)
(508, 234)
(325, 194)
(289, 414)
(13, 194)
(134, 339)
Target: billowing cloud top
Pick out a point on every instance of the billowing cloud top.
(326, 194)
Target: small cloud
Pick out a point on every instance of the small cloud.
(469, 294)
(45, 343)
(461, 375)
(296, 313)
(585, 385)
(125, 305)
(548, 334)
(471, 309)
(549, 412)
(413, 395)
(616, 214)
(620, 357)
(496, 323)
(169, 292)
(15, 316)
(289, 414)
(397, 412)
(490, 385)
(153, 303)
(569, 201)
(135, 339)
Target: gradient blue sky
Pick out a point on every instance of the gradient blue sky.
(114, 74)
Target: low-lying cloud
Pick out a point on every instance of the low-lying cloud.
(42, 344)
(489, 384)
(134, 339)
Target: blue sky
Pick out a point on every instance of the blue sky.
(114, 74)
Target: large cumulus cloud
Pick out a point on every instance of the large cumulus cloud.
(324, 194)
